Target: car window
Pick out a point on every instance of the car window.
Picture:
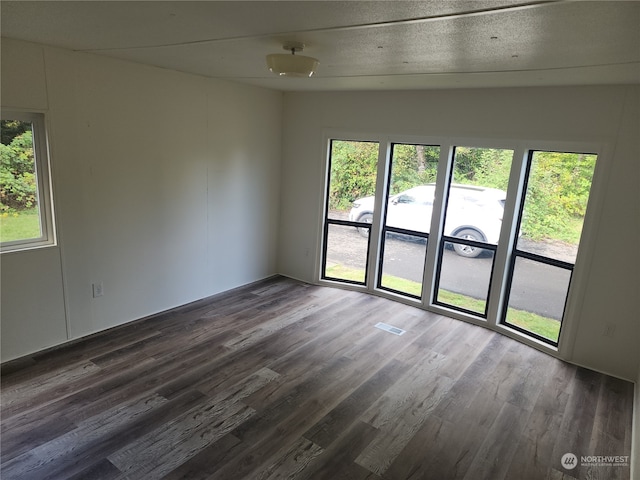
(405, 199)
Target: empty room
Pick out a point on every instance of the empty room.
(320, 239)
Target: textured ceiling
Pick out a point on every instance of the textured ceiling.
(360, 44)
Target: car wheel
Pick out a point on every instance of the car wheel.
(365, 218)
(467, 250)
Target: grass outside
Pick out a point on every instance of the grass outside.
(571, 232)
(543, 326)
(20, 225)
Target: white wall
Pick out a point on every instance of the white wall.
(166, 189)
(581, 114)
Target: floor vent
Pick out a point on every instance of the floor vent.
(389, 328)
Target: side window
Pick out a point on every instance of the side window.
(405, 199)
(26, 218)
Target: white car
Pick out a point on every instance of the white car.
(473, 213)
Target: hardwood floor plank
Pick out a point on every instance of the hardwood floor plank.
(130, 355)
(293, 463)
(524, 392)
(337, 461)
(256, 333)
(316, 354)
(204, 463)
(334, 424)
(460, 397)
(164, 344)
(614, 404)
(281, 379)
(426, 454)
(17, 367)
(575, 431)
(446, 444)
(286, 420)
(142, 379)
(278, 287)
(400, 412)
(558, 475)
(231, 313)
(490, 356)
(154, 458)
(438, 329)
(608, 435)
(224, 370)
(407, 391)
(74, 451)
(91, 346)
(531, 460)
(22, 439)
(118, 383)
(301, 394)
(177, 441)
(462, 346)
(40, 391)
(494, 456)
(102, 470)
(237, 298)
(397, 428)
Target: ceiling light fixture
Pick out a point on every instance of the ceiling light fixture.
(292, 65)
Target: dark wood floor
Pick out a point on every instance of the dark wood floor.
(285, 380)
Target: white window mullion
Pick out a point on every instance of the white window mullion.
(437, 217)
(375, 242)
(507, 235)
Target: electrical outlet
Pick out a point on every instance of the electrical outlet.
(98, 289)
(608, 329)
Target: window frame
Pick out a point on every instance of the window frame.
(521, 146)
(498, 256)
(384, 228)
(549, 261)
(43, 182)
(346, 223)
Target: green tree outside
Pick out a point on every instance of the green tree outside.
(18, 189)
(353, 172)
(19, 218)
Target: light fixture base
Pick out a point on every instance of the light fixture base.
(293, 47)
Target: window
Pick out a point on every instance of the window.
(556, 192)
(411, 190)
(26, 219)
(473, 221)
(481, 231)
(352, 183)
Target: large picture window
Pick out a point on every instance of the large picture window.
(486, 232)
(26, 216)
